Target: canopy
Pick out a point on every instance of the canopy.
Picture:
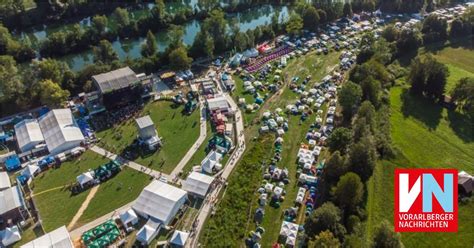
(85, 177)
(179, 238)
(57, 238)
(10, 235)
(129, 217)
(198, 183)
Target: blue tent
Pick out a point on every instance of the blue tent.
(12, 163)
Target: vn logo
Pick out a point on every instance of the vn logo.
(426, 200)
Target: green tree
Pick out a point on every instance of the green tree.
(409, 40)
(335, 167)
(216, 26)
(99, 23)
(347, 10)
(51, 94)
(311, 18)
(150, 47)
(104, 52)
(384, 236)
(339, 140)
(11, 86)
(294, 26)
(349, 191)
(428, 76)
(363, 157)
(390, 33)
(434, 29)
(349, 97)
(122, 17)
(5, 39)
(326, 217)
(463, 96)
(179, 59)
(325, 239)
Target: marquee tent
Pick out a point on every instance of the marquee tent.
(28, 134)
(179, 238)
(57, 238)
(198, 183)
(160, 201)
(60, 131)
(9, 236)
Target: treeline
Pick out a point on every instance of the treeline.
(414, 6)
(355, 146)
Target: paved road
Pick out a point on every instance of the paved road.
(196, 145)
(229, 167)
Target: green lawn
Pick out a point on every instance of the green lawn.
(426, 135)
(114, 193)
(460, 62)
(179, 132)
(199, 155)
(57, 207)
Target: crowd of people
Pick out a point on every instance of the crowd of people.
(110, 118)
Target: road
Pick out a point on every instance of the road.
(196, 145)
(229, 167)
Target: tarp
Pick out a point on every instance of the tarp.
(12, 163)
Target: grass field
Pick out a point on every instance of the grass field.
(56, 205)
(426, 135)
(200, 154)
(179, 132)
(114, 193)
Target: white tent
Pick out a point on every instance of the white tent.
(129, 217)
(60, 131)
(28, 134)
(160, 201)
(57, 238)
(10, 235)
(210, 161)
(4, 180)
(179, 238)
(197, 183)
(85, 178)
(148, 232)
(30, 170)
(10, 199)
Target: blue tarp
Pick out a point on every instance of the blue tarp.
(46, 161)
(22, 179)
(12, 163)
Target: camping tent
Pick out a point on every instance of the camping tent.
(57, 238)
(197, 183)
(179, 238)
(10, 235)
(160, 201)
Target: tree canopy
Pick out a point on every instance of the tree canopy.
(349, 191)
(349, 97)
(294, 26)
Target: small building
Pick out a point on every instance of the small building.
(160, 201)
(12, 205)
(210, 161)
(4, 181)
(179, 239)
(198, 184)
(28, 134)
(147, 132)
(218, 103)
(57, 238)
(60, 131)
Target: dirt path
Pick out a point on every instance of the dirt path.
(83, 207)
(48, 190)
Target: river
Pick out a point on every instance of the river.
(246, 20)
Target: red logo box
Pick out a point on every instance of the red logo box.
(426, 200)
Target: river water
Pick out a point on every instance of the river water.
(246, 20)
